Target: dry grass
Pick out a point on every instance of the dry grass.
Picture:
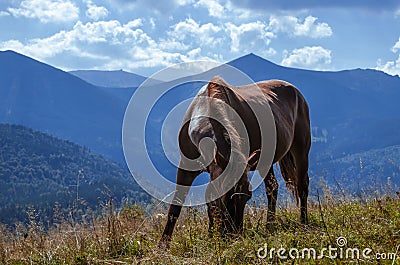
(130, 235)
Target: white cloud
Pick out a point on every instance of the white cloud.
(391, 67)
(47, 10)
(184, 2)
(111, 32)
(214, 8)
(109, 45)
(396, 46)
(82, 39)
(242, 13)
(315, 57)
(152, 22)
(154, 6)
(225, 9)
(267, 52)
(295, 27)
(248, 35)
(95, 12)
(152, 56)
(4, 13)
(173, 45)
(190, 32)
(134, 23)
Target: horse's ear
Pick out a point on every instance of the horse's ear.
(215, 86)
(253, 159)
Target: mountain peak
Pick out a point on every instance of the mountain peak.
(251, 59)
(9, 52)
(13, 54)
(252, 55)
(14, 61)
(257, 67)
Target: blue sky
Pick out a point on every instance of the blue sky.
(144, 36)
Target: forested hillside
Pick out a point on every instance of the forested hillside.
(37, 170)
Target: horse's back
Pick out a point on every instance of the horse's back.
(291, 114)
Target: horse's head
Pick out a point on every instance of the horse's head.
(226, 213)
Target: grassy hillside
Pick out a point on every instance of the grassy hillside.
(130, 236)
(37, 171)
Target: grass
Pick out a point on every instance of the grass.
(130, 235)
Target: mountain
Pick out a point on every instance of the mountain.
(45, 98)
(39, 171)
(115, 79)
(352, 112)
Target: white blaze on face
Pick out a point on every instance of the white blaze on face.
(200, 129)
(199, 115)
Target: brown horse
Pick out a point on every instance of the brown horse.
(293, 139)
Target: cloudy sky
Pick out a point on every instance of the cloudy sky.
(143, 36)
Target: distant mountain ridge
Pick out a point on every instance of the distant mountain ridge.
(115, 79)
(45, 98)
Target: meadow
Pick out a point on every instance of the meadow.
(342, 230)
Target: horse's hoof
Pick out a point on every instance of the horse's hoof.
(163, 245)
(164, 242)
(271, 226)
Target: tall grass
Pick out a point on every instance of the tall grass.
(130, 235)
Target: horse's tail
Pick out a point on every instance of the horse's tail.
(288, 170)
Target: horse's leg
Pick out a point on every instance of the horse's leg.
(302, 189)
(211, 208)
(300, 149)
(210, 220)
(271, 188)
(184, 180)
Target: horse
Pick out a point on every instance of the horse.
(292, 137)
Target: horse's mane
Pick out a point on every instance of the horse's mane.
(264, 86)
(221, 91)
(228, 95)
